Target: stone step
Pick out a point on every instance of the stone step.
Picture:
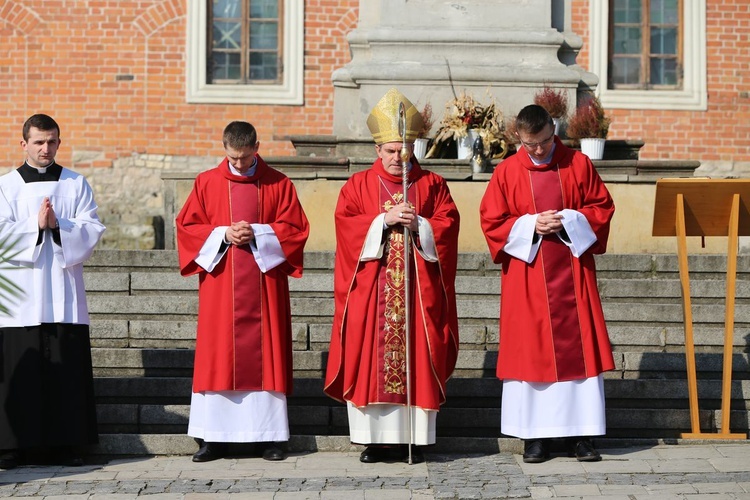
(461, 392)
(451, 422)
(143, 332)
(118, 362)
(175, 307)
(180, 334)
(607, 264)
(665, 286)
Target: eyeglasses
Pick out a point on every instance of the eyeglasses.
(533, 145)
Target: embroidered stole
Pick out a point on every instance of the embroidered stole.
(244, 201)
(391, 349)
(558, 273)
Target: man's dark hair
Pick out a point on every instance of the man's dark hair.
(532, 119)
(41, 122)
(239, 135)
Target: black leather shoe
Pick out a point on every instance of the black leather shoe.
(374, 454)
(273, 453)
(535, 451)
(9, 459)
(417, 457)
(584, 451)
(209, 452)
(67, 456)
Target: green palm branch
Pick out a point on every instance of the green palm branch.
(9, 291)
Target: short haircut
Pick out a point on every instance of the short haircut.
(532, 119)
(41, 122)
(239, 135)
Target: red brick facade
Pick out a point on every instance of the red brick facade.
(719, 134)
(112, 72)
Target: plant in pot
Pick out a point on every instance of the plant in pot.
(590, 125)
(555, 102)
(420, 143)
(465, 121)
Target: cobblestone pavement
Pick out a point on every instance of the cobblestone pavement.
(715, 471)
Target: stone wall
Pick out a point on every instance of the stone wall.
(139, 196)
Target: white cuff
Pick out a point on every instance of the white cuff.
(521, 243)
(428, 251)
(266, 247)
(579, 232)
(209, 254)
(373, 246)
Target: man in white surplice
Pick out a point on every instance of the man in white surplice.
(49, 217)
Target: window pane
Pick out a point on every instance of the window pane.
(226, 66)
(264, 35)
(664, 41)
(627, 41)
(663, 12)
(263, 66)
(246, 40)
(227, 35)
(663, 71)
(227, 8)
(626, 70)
(627, 11)
(260, 9)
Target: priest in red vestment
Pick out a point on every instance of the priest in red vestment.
(367, 364)
(242, 230)
(545, 214)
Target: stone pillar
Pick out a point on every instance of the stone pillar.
(508, 48)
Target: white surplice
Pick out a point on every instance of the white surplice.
(50, 275)
(549, 410)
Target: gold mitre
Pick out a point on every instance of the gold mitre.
(383, 121)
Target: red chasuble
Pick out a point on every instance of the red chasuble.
(551, 322)
(366, 362)
(244, 340)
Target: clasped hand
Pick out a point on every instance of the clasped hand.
(549, 222)
(239, 233)
(402, 214)
(47, 216)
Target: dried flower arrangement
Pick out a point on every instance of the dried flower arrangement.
(554, 101)
(427, 119)
(463, 113)
(588, 120)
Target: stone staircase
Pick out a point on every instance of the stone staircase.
(143, 316)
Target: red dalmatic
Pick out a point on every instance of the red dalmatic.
(552, 326)
(244, 321)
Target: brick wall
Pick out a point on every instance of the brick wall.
(112, 72)
(718, 137)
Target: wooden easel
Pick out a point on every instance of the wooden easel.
(705, 207)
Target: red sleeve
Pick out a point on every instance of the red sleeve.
(193, 228)
(286, 217)
(596, 202)
(496, 216)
